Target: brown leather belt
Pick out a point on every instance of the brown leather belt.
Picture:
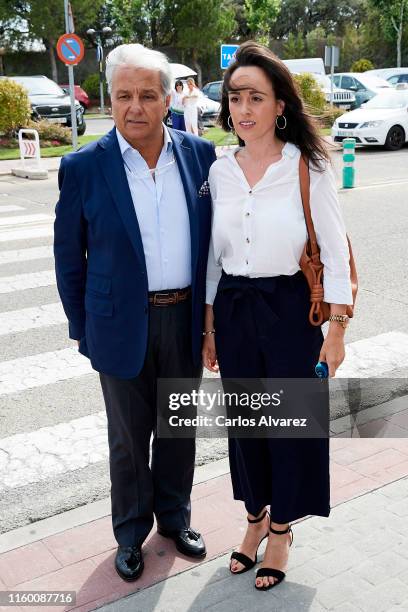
(167, 298)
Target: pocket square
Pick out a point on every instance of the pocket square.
(204, 189)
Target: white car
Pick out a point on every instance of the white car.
(383, 120)
(342, 98)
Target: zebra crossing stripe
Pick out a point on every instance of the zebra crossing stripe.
(43, 252)
(26, 233)
(25, 219)
(6, 208)
(42, 369)
(21, 282)
(16, 321)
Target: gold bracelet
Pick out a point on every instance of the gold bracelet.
(343, 319)
(207, 333)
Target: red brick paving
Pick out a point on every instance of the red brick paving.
(81, 558)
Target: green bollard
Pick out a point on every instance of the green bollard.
(349, 147)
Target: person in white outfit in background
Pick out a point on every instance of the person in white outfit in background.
(191, 103)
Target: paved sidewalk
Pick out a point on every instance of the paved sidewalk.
(358, 557)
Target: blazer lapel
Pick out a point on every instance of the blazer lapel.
(185, 163)
(111, 163)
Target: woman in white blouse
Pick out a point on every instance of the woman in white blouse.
(258, 325)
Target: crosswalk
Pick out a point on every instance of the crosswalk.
(49, 445)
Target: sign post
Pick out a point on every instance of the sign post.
(70, 50)
(331, 60)
(227, 55)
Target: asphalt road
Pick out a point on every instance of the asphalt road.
(377, 222)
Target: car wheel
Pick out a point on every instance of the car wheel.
(81, 128)
(395, 138)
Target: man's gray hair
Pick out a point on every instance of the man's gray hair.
(139, 56)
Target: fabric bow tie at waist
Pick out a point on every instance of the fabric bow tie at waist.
(247, 291)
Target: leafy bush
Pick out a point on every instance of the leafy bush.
(362, 65)
(15, 109)
(329, 115)
(51, 131)
(91, 86)
(311, 92)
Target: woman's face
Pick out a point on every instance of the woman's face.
(190, 85)
(179, 88)
(253, 106)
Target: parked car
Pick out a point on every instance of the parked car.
(80, 95)
(48, 101)
(395, 79)
(315, 65)
(386, 73)
(383, 120)
(365, 87)
(342, 98)
(213, 90)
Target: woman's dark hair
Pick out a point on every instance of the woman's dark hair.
(177, 83)
(300, 128)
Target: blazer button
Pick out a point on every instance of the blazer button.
(146, 310)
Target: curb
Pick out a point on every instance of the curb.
(88, 513)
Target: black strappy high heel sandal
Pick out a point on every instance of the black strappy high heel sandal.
(244, 559)
(270, 571)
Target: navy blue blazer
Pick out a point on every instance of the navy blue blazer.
(99, 259)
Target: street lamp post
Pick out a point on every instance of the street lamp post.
(97, 36)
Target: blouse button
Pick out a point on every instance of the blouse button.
(247, 214)
(247, 239)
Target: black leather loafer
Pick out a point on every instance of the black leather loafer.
(129, 562)
(188, 541)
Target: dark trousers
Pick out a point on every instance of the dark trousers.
(138, 490)
(178, 122)
(262, 331)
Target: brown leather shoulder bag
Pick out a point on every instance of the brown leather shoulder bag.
(310, 263)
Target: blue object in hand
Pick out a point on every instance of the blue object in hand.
(321, 369)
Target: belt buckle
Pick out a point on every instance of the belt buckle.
(164, 299)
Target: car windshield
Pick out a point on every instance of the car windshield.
(373, 82)
(388, 100)
(39, 86)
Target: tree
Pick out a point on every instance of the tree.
(148, 22)
(294, 47)
(393, 15)
(201, 27)
(260, 16)
(45, 21)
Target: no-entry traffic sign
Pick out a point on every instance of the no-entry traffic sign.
(70, 49)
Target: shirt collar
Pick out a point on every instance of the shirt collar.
(289, 150)
(124, 145)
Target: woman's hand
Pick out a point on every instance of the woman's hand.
(209, 353)
(332, 351)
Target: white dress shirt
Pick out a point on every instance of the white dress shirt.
(261, 232)
(162, 214)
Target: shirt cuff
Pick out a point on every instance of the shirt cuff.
(211, 291)
(337, 290)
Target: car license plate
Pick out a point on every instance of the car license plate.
(345, 133)
(56, 119)
(346, 106)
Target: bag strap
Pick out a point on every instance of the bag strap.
(304, 177)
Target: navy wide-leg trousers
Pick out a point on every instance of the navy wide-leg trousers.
(263, 331)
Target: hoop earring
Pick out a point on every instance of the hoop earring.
(280, 127)
(231, 127)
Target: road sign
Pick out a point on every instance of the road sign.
(227, 55)
(331, 56)
(70, 49)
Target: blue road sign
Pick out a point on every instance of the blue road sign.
(227, 55)
(70, 49)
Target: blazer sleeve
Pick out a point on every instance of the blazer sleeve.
(70, 233)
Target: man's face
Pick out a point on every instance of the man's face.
(138, 103)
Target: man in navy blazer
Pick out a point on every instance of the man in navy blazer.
(132, 234)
